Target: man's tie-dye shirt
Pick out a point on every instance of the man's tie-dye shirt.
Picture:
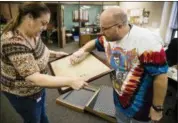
(137, 59)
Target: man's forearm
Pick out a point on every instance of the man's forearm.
(159, 89)
(89, 46)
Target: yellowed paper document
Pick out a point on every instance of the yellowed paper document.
(88, 68)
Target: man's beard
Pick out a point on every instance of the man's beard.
(112, 39)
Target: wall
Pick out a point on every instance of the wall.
(68, 10)
(155, 9)
(111, 3)
(96, 7)
(91, 3)
(4, 10)
(53, 10)
(93, 11)
(14, 9)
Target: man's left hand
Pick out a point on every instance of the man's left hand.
(154, 115)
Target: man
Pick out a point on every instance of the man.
(136, 54)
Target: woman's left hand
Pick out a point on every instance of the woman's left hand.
(59, 54)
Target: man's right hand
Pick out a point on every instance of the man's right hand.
(78, 83)
(78, 56)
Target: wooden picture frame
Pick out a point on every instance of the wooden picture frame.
(93, 74)
(77, 100)
(102, 106)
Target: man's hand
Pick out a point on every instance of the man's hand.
(154, 115)
(78, 56)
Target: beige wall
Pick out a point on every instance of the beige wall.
(92, 3)
(5, 11)
(155, 9)
(14, 9)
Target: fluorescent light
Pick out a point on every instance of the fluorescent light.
(86, 7)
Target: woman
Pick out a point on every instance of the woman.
(24, 61)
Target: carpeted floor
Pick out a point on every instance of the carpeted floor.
(60, 114)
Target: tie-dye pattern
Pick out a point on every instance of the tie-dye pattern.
(135, 74)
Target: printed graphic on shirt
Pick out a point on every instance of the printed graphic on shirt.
(135, 67)
(122, 61)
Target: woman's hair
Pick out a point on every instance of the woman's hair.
(35, 9)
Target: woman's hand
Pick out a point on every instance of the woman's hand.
(55, 54)
(77, 83)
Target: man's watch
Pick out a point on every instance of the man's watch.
(158, 108)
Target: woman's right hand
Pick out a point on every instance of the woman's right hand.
(77, 83)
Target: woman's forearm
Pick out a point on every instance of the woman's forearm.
(48, 81)
(52, 53)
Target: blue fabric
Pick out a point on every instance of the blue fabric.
(138, 101)
(30, 110)
(98, 45)
(156, 69)
(122, 118)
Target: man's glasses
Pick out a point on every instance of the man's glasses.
(106, 28)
